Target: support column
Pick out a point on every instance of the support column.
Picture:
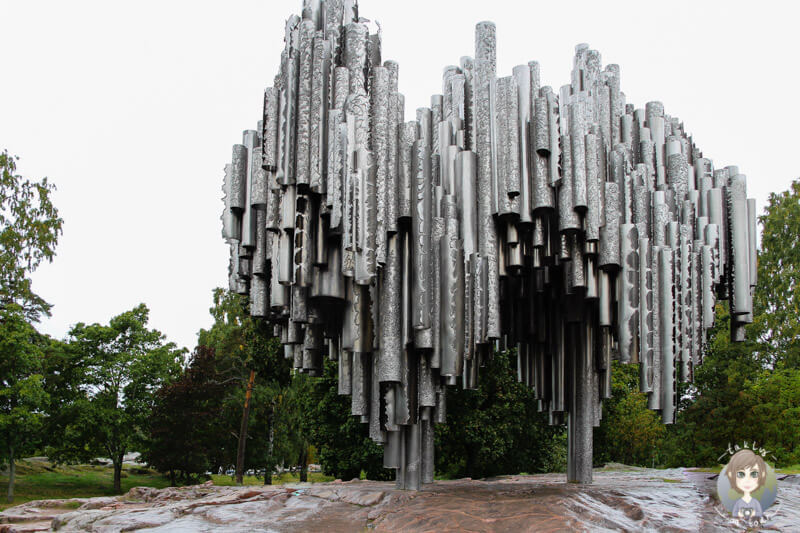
(581, 416)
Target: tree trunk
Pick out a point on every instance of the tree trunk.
(470, 466)
(118, 473)
(12, 470)
(171, 478)
(270, 447)
(304, 464)
(243, 430)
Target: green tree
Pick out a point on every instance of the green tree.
(186, 419)
(274, 429)
(270, 403)
(64, 382)
(721, 408)
(341, 440)
(22, 395)
(242, 344)
(775, 396)
(776, 300)
(124, 364)
(629, 432)
(721, 412)
(29, 231)
(750, 391)
(496, 428)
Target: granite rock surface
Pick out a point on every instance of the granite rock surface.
(620, 499)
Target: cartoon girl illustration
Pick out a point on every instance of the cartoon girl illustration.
(746, 472)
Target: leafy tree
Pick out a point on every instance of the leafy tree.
(341, 440)
(242, 343)
(776, 300)
(22, 395)
(124, 364)
(629, 432)
(227, 336)
(271, 401)
(186, 418)
(496, 429)
(750, 391)
(64, 381)
(721, 411)
(274, 424)
(29, 230)
(775, 396)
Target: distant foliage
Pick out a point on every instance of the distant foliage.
(497, 428)
(22, 394)
(341, 440)
(186, 421)
(776, 300)
(29, 231)
(629, 432)
(750, 391)
(241, 343)
(122, 365)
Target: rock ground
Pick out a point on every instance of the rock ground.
(622, 499)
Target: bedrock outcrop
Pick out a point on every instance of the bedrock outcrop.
(621, 499)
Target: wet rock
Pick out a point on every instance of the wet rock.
(793, 479)
(27, 527)
(98, 503)
(621, 499)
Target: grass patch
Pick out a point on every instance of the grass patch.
(72, 505)
(793, 469)
(708, 469)
(619, 467)
(40, 480)
(286, 477)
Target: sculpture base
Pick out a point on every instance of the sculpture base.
(621, 498)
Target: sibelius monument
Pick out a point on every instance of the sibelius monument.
(566, 223)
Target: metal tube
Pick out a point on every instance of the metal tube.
(483, 82)
(318, 131)
(421, 237)
(452, 293)
(390, 331)
(522, 78)
(379, 145)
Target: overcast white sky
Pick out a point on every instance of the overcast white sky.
(131, 110)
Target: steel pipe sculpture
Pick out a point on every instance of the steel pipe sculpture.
(567, 224)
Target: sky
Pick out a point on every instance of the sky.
(131, 109)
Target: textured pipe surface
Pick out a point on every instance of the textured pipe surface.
(565, 223)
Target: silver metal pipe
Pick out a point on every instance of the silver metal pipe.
(390, 331)
(421, 237)
(483, 83)
(522, 78)
(379, 145)
(304, 73)
(269, 135)
(406, 170)
(452, 293)
(741, 300)
(666, 338)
